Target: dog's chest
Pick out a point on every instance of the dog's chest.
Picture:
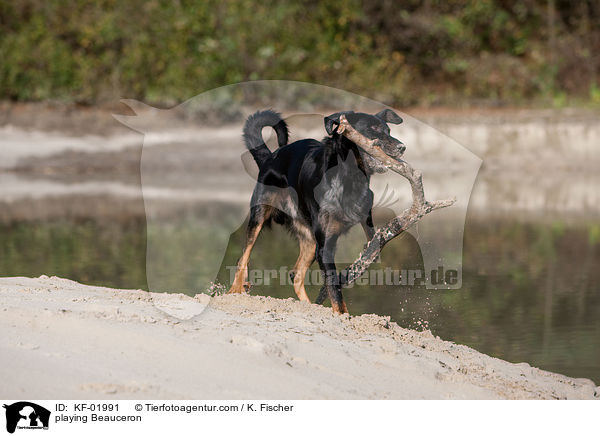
(345, 196)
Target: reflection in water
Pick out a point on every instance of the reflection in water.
(530, 291)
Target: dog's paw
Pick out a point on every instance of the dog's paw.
(240, 289)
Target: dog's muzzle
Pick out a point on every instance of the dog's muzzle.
(393, 148)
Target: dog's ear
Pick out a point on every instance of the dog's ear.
(389, 116)
(333, 121)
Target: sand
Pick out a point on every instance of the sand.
(65, 340)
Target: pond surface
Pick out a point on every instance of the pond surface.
(530, 290)
(530, 258)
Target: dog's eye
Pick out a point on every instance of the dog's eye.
(382, 131)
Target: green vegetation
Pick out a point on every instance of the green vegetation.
(403, 53)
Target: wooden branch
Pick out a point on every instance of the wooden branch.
(419, 208)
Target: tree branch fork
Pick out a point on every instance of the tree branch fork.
(419, 208)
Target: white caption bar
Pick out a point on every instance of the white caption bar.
(128, 417)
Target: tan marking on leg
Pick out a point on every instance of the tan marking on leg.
(240, 283)
(339, 308)
(305, 259)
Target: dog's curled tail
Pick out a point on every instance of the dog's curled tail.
(253, 133)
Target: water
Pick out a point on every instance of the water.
(530, 290)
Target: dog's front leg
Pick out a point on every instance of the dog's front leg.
(368, 226)
(369, 230)
(326, 245)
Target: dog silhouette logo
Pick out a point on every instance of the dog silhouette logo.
(26, 415)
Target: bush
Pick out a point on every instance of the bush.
(411, 53)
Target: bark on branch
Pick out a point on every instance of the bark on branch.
(419, 208)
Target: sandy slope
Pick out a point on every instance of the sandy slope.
(65, 340)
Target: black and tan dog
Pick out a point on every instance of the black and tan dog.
(318, 189)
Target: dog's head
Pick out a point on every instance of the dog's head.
(372, 127)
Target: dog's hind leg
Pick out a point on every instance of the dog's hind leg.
(258, 215)
(305, 260)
